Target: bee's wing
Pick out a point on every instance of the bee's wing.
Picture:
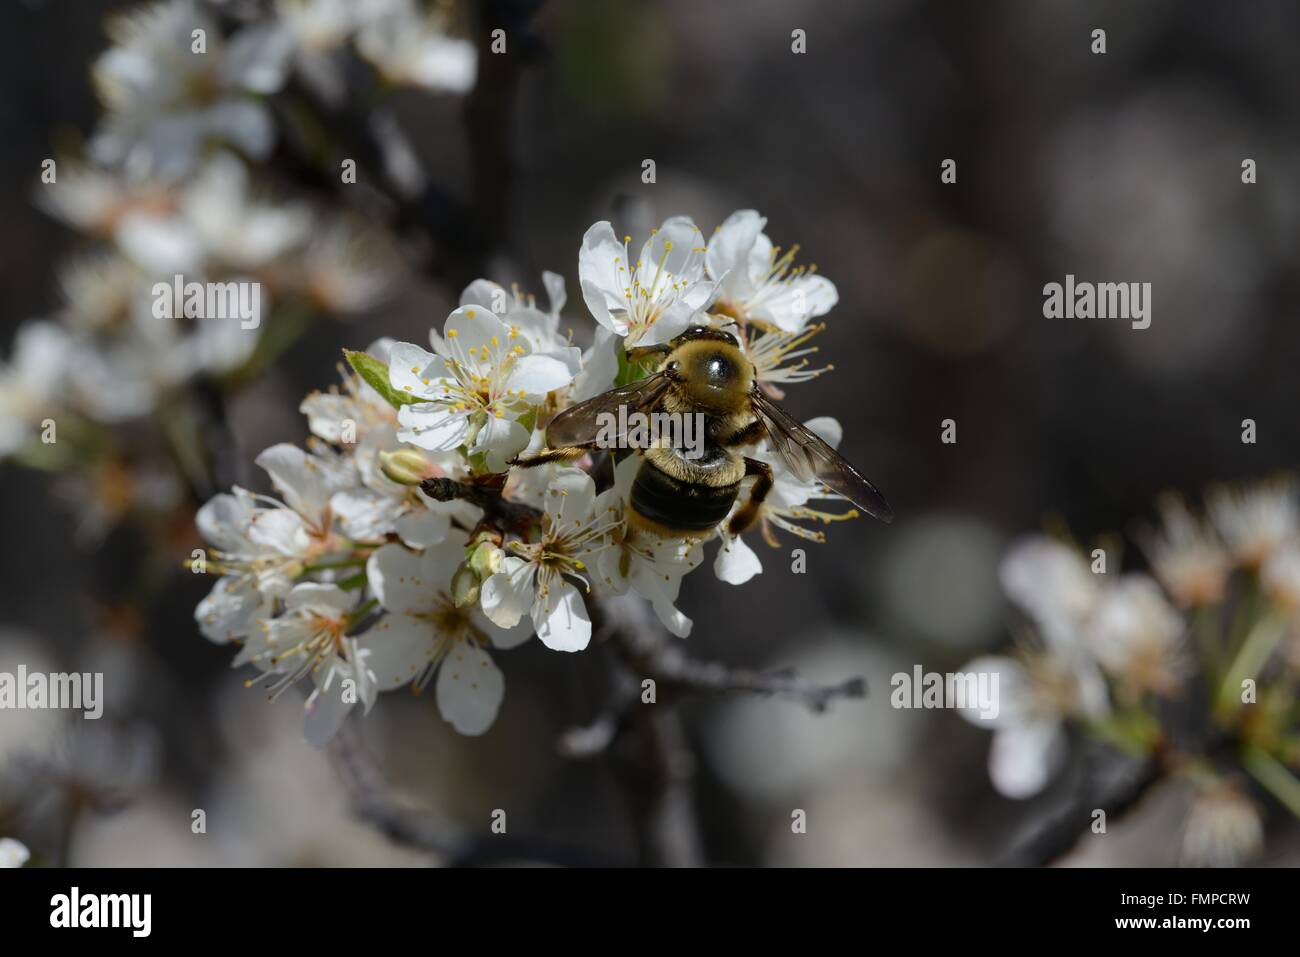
(809, 457)
(582, 423)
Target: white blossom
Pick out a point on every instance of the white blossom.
(789, 502)
(1035, 699)
(473, 390)
(1053, 585)
(650, 300)
(538, 579)
(1255, 521)
(425, 633)
(13, 853)
(1137, 636)
(166, 101)
(1187, 556)
(310, 640)
(758, 283)
(31, 382)
(412, 48)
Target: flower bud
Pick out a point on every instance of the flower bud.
(464, 586)
(485, 559)
(405, 466)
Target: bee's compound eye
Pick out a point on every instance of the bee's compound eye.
(717, 369)
(674, 366)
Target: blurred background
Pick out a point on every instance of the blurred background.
(1124, 167)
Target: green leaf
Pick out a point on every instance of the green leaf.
(629, 371)
(375, 374)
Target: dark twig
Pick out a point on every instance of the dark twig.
(658, 774)
(1114, 789)
(652, 654)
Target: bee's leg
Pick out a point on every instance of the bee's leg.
(641, 353)
(762, 485)
(565, 453)
(747, 435)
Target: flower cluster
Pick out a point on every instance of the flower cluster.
(168, 197)
(404, 547)
(1189, 666)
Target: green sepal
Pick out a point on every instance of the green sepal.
(374, 372)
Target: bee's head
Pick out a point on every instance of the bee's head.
(710, 368)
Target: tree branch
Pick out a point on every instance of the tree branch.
(1115, 790)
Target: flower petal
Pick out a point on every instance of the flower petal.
(436, 428)
(1023, 757)
(507, 596)
(408, 368)
(536, 375)
(561, 618)
(736, 563)
(396, 576)
(470, 689)
(397, 649)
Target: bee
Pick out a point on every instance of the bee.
(675, 495)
